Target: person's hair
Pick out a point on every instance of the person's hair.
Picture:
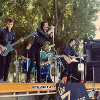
(10, 20)
(71, 39)
(42, 23)
(26, 43)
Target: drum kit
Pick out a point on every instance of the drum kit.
(50, 67)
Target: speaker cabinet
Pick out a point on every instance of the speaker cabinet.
(93, 74)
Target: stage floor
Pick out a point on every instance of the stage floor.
(33, 89)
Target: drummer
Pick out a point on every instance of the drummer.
(26, 51)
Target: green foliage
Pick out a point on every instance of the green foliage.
(74, 19)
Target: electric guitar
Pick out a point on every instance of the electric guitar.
(69, 60)
(9, 46)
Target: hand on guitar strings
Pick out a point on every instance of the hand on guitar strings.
(2, 48)
(22, 40)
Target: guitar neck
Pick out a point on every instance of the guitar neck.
(20, 40)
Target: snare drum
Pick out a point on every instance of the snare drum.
(43, 57)
(25, 66)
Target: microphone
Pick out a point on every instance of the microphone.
(77, 42)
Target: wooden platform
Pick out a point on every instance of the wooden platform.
(28, 89)
(95, 86)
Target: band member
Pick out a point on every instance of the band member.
(69, 53)
(42, 36)
(6, 34)
(26, 51)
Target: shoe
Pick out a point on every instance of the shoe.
(1, 81)
(28, 81)
(7, 81)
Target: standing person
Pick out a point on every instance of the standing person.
(70, 53)
(42, 36)
(6, 34)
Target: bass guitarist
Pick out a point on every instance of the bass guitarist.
(6, 34)
(70, 53)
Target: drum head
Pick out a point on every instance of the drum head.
(54, 74)
(43, 57)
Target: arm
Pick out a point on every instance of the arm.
(42, 33)
(23, 58)
(74, 52)
(1, 47)
(1, 31)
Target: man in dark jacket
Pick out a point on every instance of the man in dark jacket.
(36, 46)
(69, 52)
(6, 34)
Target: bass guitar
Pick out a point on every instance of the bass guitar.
(9, 46)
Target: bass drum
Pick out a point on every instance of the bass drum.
(47, 73)
(25, 66)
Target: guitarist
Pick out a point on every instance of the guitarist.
(42, 36)
(6, 34)
(70, 53)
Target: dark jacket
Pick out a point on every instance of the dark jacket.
(5, 36)
(41, 37)
(69, 50)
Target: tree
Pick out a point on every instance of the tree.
(72, 18)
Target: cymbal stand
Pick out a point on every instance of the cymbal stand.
(60, 64)
(17, 68)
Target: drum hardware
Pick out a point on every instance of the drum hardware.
(59, 62)
(17, 68)
(46, 78)
(79, 49)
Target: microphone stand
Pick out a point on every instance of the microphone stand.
(17, 68)
(80, 62)
(54, 57)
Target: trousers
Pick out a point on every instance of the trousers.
(4, 66)
(34, 55)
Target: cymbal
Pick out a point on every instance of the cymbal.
(50, 46)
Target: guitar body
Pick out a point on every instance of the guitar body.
(69, 60)
(8, 48)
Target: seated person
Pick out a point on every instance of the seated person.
(26, 51)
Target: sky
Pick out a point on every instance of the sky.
(97, 23)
